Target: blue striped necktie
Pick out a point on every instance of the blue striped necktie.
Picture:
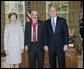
(53, 25)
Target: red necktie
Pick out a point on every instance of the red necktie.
(34, 32)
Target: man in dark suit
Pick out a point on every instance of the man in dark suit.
(34, 40)
(57, 38)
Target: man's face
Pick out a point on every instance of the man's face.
(53, 12)
(34, 15)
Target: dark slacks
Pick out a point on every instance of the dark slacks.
(35, 54)
(59, 53)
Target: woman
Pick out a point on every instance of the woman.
(13, 41)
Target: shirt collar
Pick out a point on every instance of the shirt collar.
(55, 19)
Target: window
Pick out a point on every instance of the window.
(18, 7)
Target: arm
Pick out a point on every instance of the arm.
(45, 34)
(66, 35)
(45, 37)
(22, 38)
(6, 39)
(26, 36)
(28, 16)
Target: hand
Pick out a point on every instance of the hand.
(46, 48)
(65, 47)
(28, 19)
(26, 47)
(22, 50)
(28, 16)
(6, 52)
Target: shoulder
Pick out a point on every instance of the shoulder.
(47, 20)
(7, 25)
(20, 26)
(61, 18)
(27, 23)
(40, 21)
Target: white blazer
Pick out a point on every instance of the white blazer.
(13, 36)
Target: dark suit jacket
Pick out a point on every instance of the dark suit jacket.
(81, 28)
(60, 37)
(40, 33)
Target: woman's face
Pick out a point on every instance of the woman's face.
(13, 18)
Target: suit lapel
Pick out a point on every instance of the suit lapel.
(38, 29)
(30, 24)
(50, 26)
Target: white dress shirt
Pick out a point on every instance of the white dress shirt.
(32, 33)
(55, 19)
